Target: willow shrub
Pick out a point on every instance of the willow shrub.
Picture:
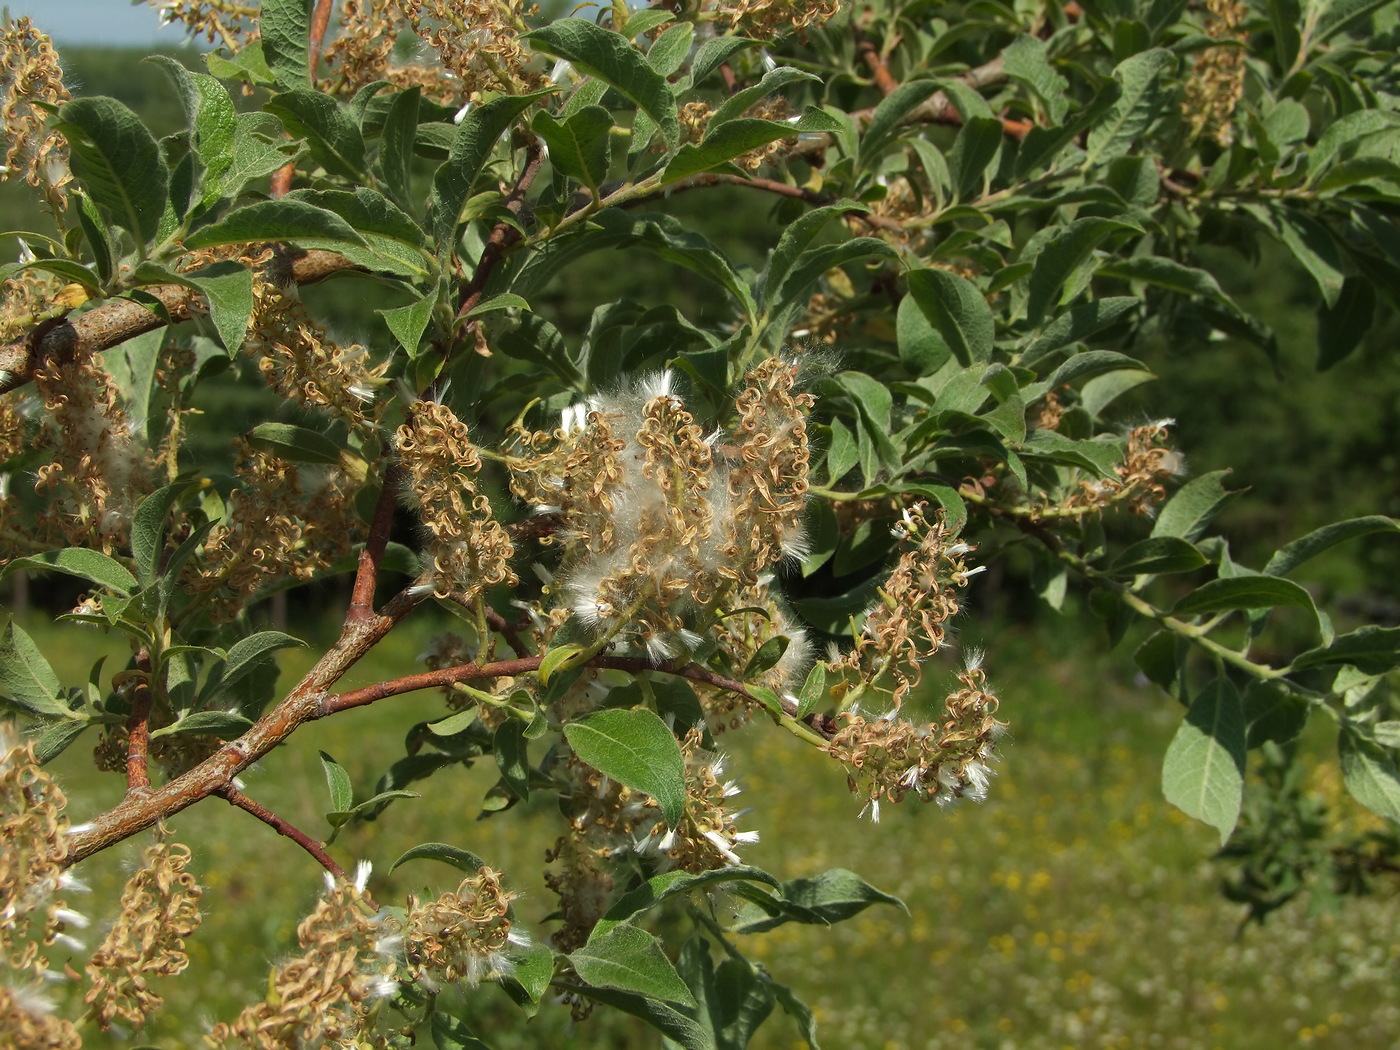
(664, 525)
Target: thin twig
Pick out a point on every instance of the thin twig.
(320, 19)
(509, 631)
(502, 236)
(138, 729)
(135, 813)
(236, 798)
(367, 574)
(878, 70)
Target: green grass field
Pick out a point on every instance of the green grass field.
(1074, 909)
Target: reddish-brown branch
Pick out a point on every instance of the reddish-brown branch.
(138, 729)
(79, 336)
(879, 71)
(136, 813)
(445, 676)
(367, 575)
(502, 236)
(320, 20)
(236, 798)
(509, 631)
(280, 184)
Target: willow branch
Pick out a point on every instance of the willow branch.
(367, 574)
(876, 61)
(320, 20)
(236, 798)
(136, 813)
(504, 234)
(79, 336)
(138, 729)
(334, 703)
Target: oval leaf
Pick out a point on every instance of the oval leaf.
(630, 960)
(636, 749)
(1203, 772)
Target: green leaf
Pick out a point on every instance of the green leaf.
(209, 114)
(974, 151)
(338, 781)
(580, 146)
(118, 162)
(831, 897)
(1244, 592)
(555, 659)
(714, 53)
(531, 967)
(635, 748)
(676, 1026)
(286, 35)
(472, 145)
(644, 21)
(148, 530)
(737, 137)
(1166, 273)
(612, 58)
(298, 444)
(1120, 130)
(57, 738)
(334, 138)
(291, 220)
(1369, 773)
(796, 238)
(660, 888)
(1372, 649)
(1061, 254)
(1315, 248)
(99, 238)
(452, 1033)
(461, 859)
(27, 677)
(512, 756)
(1273, 714)
(1079, 323)
(227, 287)
(82, 563)
(813, 693)
(1192, 507)
(1157, 556)
(630, 960)
(396, 242)
(494, 303)
(1291, 555)
(396, 145)
(246, 653)
(957, 314)
(811, 265)
(670, 50)
(1027, 62)
(408, 323)
(767, 656)
(224, 724)
(885, 121)
(1342, 326)
(1203, 772)
(739, 103)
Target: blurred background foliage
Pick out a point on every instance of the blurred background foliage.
(1030, 927)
